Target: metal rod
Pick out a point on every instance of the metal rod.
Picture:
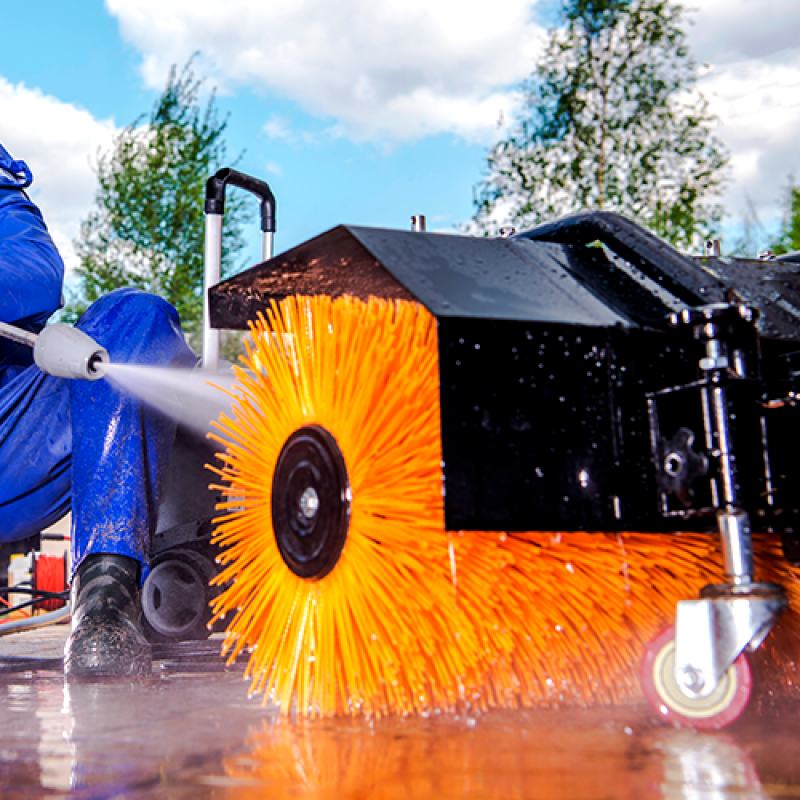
(267, 240)
(737, 546)
(211, 277)
(17, 334)
(719, 407)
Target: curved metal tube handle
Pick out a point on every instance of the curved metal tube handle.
(215, 195)
(214, 209)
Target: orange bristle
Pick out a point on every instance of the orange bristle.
(412, 617)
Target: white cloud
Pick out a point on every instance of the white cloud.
(735, 30)
(402, 69)
(754, 88)
(59, 142)
(385, 69)
(280, 127)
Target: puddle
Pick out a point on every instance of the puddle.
(197, 735)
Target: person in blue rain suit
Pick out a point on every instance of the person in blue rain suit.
(79, 445)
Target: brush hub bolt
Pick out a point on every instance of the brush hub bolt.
(310, 502)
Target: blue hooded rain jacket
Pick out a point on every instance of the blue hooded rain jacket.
(72, 444)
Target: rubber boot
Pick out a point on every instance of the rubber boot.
(107, 637)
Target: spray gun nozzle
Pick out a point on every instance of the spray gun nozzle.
(62, 350)
(97, 364)
(67, 352)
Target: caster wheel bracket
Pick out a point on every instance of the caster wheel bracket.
(712, 632)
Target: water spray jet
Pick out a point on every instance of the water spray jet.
(186, 395)
(192, 397)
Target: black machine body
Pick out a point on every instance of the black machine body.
(591, 376)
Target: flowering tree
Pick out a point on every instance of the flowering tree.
(612, 120)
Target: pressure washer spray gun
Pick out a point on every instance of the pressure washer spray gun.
(62, 350)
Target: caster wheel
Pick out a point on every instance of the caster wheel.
(664, 694)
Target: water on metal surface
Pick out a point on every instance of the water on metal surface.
(190, 731)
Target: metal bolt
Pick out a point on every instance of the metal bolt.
(691, 679)
(673, 464)
(309, 502)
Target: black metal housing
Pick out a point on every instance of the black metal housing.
(574, 394)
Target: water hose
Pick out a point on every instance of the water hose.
(51, 618)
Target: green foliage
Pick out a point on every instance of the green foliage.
(789, 237)
(148, 227)
(612, 120)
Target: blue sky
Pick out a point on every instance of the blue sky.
(363, 111)
(321, 176)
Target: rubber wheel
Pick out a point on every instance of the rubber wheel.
(175, 597)
(662, 691)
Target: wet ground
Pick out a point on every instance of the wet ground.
(190, 731)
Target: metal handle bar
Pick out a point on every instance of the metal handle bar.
(661, 262)
(215, 208)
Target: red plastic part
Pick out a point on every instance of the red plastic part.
(735, 704)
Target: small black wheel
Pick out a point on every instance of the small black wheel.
(176, 596)
(661, 688)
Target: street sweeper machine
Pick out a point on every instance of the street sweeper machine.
(556, 466)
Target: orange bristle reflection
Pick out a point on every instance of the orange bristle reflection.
(412, 617)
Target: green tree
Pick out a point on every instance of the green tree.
(611, 120)
(147, 229)
(788, 239)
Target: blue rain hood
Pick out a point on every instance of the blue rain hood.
(31, 270)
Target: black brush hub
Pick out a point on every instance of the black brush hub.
(310, 502)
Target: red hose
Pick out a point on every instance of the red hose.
(50, 575)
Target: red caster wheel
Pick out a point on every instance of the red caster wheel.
(662, 691)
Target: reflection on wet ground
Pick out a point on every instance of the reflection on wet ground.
(190, 731)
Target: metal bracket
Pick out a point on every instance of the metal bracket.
(711, 633)
(680, 464)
